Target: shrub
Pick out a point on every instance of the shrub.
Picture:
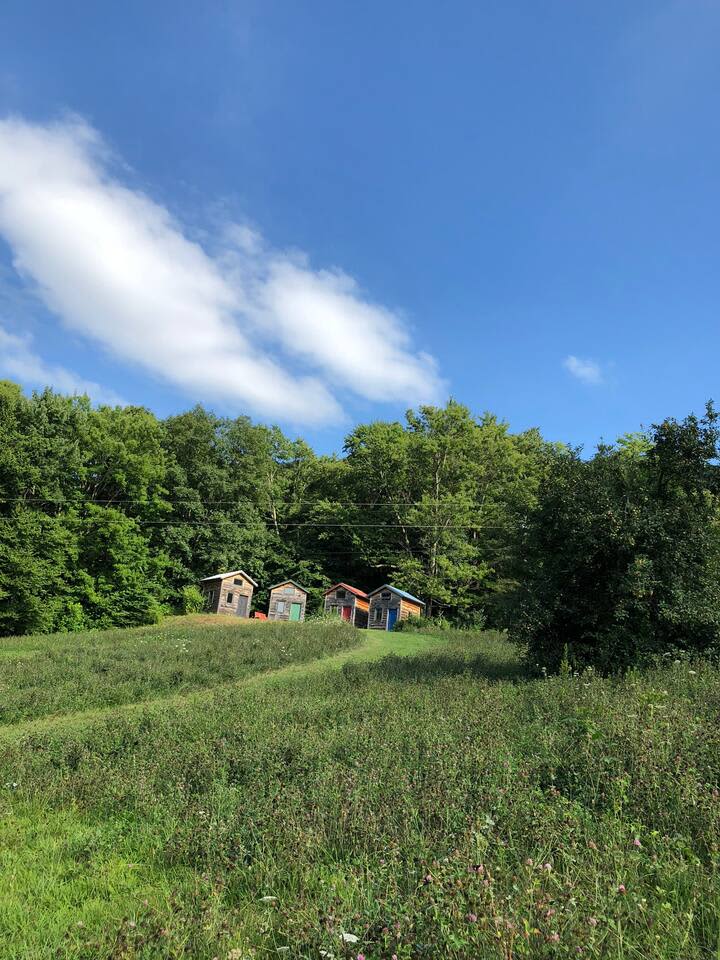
(192, 599)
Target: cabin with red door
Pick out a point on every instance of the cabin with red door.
(389, 604)
(350, 603)
(229, 593)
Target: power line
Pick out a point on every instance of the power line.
(294, 525)
(238, 503)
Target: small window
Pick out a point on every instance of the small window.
(378, 614)
(237, 582)
(280, 606)
(229, 598)
(341, 594)
(288, 589)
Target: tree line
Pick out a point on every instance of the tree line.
(109, 514)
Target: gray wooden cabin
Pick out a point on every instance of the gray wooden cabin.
(348, 602)
(229, 593)
(388, 604)
(287, 601)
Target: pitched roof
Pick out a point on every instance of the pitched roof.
(230, 573)
(282, 583)
(400, 593)
(346, 586)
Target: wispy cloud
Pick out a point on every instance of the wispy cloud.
(244, 323)
(588, 371)
(19, 361)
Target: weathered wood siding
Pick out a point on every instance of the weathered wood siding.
(280, 599)
(409, 609)
(382, 602)
(217, 593)
(359, 607)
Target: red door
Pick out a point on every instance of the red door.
(346, 613)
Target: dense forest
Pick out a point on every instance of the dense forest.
(109, 516)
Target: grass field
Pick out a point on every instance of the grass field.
(205, 789)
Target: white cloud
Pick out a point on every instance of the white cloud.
(116, 267)
(19, 362)
(588, 371)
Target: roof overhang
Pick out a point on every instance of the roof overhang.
(230, 573)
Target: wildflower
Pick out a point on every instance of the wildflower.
(472, 918)
(361, 956)
(592, 921)
(636, 842)
(554, 937)
(592, 845)
(550, 913)
(621, 888)
(529, 862)
(547, 867)
(349, 938)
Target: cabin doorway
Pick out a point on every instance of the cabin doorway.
(392, 617)
(242, 607)
(346, 613)
(295, 609)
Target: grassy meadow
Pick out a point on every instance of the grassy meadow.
(206, 789)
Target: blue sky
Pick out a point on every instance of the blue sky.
(323, 212)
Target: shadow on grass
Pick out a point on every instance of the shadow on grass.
(429, 667)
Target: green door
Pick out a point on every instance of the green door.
(295, 609)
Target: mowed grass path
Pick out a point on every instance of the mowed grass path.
(44, 676)
(408, 796)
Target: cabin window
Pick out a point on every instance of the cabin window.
(280, 606)
(288, 590)
(340, 594)
(229, 598)
(237, 582)
(385, 596)
(378, 614)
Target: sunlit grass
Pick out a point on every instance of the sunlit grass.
(434, 803)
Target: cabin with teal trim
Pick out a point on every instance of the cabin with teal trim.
(287, 601)
(388, 604)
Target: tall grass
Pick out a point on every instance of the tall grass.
(42, 675)
(443, 806)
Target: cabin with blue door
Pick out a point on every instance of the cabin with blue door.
(388, 604)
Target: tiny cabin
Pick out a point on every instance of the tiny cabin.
(287, 601)
(388, 604)
(228, 593)
(349, 602)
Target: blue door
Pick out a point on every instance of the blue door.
(392, 617)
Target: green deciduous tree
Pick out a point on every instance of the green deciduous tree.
(621, 558)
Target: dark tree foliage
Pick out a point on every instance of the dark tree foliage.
(108, 515)
(620, 558)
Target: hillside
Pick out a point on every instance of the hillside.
(204, 790)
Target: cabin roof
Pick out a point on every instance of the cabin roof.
(230, 573)
(400, 593)
(281, 583)
(346, 586)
